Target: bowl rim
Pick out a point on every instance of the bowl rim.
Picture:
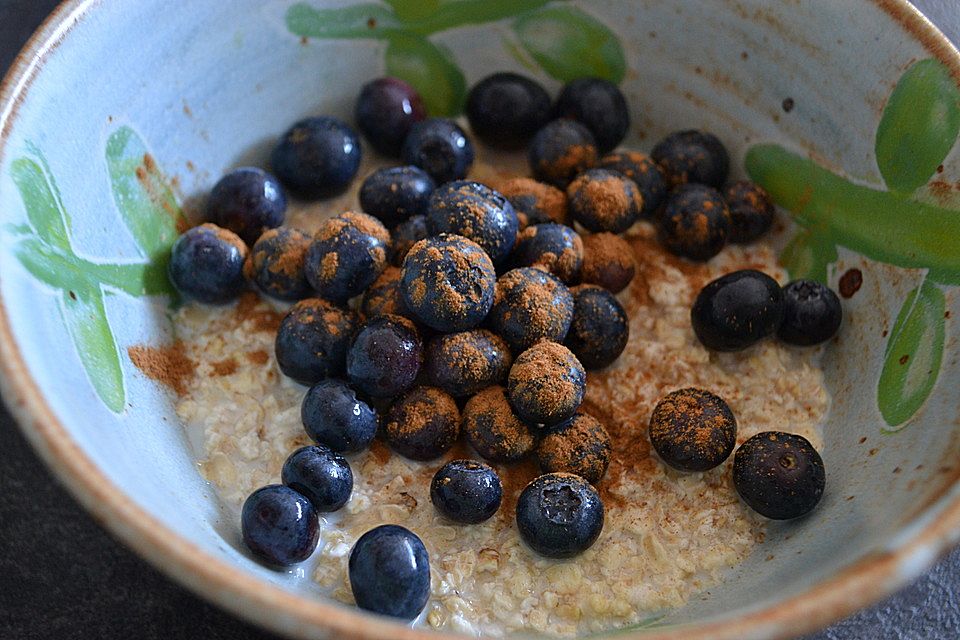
(934, 530)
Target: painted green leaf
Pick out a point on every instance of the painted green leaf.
(808, 255)
(913, 355)
(459, 13)
(86, 320)
(42, 202)
(357, 21)
(919, 126)
(430, 70)
(570, 44)
(413, 10)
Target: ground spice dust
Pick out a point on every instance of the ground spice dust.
(258, 357)
(535, 199)
(225, 367)
(472, 355)
(576, 159)
(566, 265)
(169, 365)
(608, 261)
(581, 446)
(250, 308)
(541, 377)
(494, 430)
(534, 299)
(606, 198)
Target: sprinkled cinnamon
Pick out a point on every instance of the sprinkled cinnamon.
(494, 430)
(258, 357)
(259, 314)
(580, 445)
(168, 365)
(608, 261)
(225, 367)
(535, 201)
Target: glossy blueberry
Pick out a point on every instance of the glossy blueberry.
(247, 201)
(464, 363)
(604, 200)
(383, 296)
(317, 157)
(405, 235)
(737, 310)
(440, 147)
(535, 202)
(422, 424)
(389, 572)
(313, 340)
(692, 156)
(554, 247)
(394, 194)
(580, 445)
(386, 110)
(466, 491)
(279, 525)
(811, 313)
(695, 223)
(608, 261)
(505, 109)
(546, 384)
(334, 416)
(346, 256)
(206, 264)
(494, 429)
(448, 283)
(751, 211)
(693, 430)
(385, 357)
(779, 475)
(531, 305)
(599, 105)
(600, 328)
(560, 151)
(319, 474)
(559, 515)
(276, 263)
(646, 173)
(476, 212)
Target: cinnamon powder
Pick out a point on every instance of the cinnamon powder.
(168, 365)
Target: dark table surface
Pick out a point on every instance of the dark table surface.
(62, 576)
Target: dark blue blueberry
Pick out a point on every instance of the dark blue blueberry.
(692, 156)
(317, 157)
(279, 525)
(580, 446)
(394, 194)
(448, 283)
(466, 491)
(604, 200)
(422, 424)
(531, 305)
(464, 363)
(313, 340)
(551, 246)
(334, 416)
(693, 430)
(347, 255)
(276, 263)
(811, 313)
(560, 151)
(319, 474)
(751, 211)
(646, 173)
(385, 358)
(599, 105)
(493, 428)
(248, 201)
(386, 110)
(505, 109)
(607, 261)
(535, 202)
(383, 296)
(559, 515)
(546, 384)
(206, 264)
(737, 310)
(476, 212)
(405, 235)
(779, 475)
(440, 147)
(390, 572)
(600, 329)
(695, 223)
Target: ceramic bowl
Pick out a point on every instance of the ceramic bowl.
(116, 113)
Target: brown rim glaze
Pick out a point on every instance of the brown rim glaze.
(872, 577)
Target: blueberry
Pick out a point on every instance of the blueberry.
(646, 173)
(464, 363)
(580, 446)
(493, 428)
(607, 261)
(279, 525)
(600, 329)
(531, 305)
(560, 151)
(599, 105)
(693, 430)
(695, 223)
(779, 475)
(751, 211)
(389, 572)
(535, 202)
(546, 384)
(386, 110)
(317, 157)
(405, 235)
(206, 264)
(346, 256)
(604, 200)
(466, 491)
(422, 424)
(276, 263)
(313, 340)
(553, 247)
(559, 515)
(505, 109)
(334, 416)
(385, 357)
(737, 310)
(394, 194)
(383, 296)
(811, 313)
(319, 474)
(476, 212)
(439, 147)
(247, 201)
(692, 156)
(448, 283)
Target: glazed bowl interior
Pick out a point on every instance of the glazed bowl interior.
(800, 93)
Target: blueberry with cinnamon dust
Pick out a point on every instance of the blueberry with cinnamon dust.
(695, 223)
(646, 173)
(405, 235)
(751, 211)
(604, 200)
(393, 194)
(692, 156)
(531, 305)
(550, 246)
(607, 262)
(546, 384)
(505, 109)
(422, 424)
(476, 212)
(385, 357)
(559, 515)
(464, 363)
(535, 202)
(560, 151)
(599, 105)
(346, 255)
(493, 428)
(317, 157)
(579, 445)
(313, 340)
(383, 297)
(693, 430)
(440, 147)
(466, 491)
(206, 264)
(247, 201)
(276, 263)
(600, 329)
